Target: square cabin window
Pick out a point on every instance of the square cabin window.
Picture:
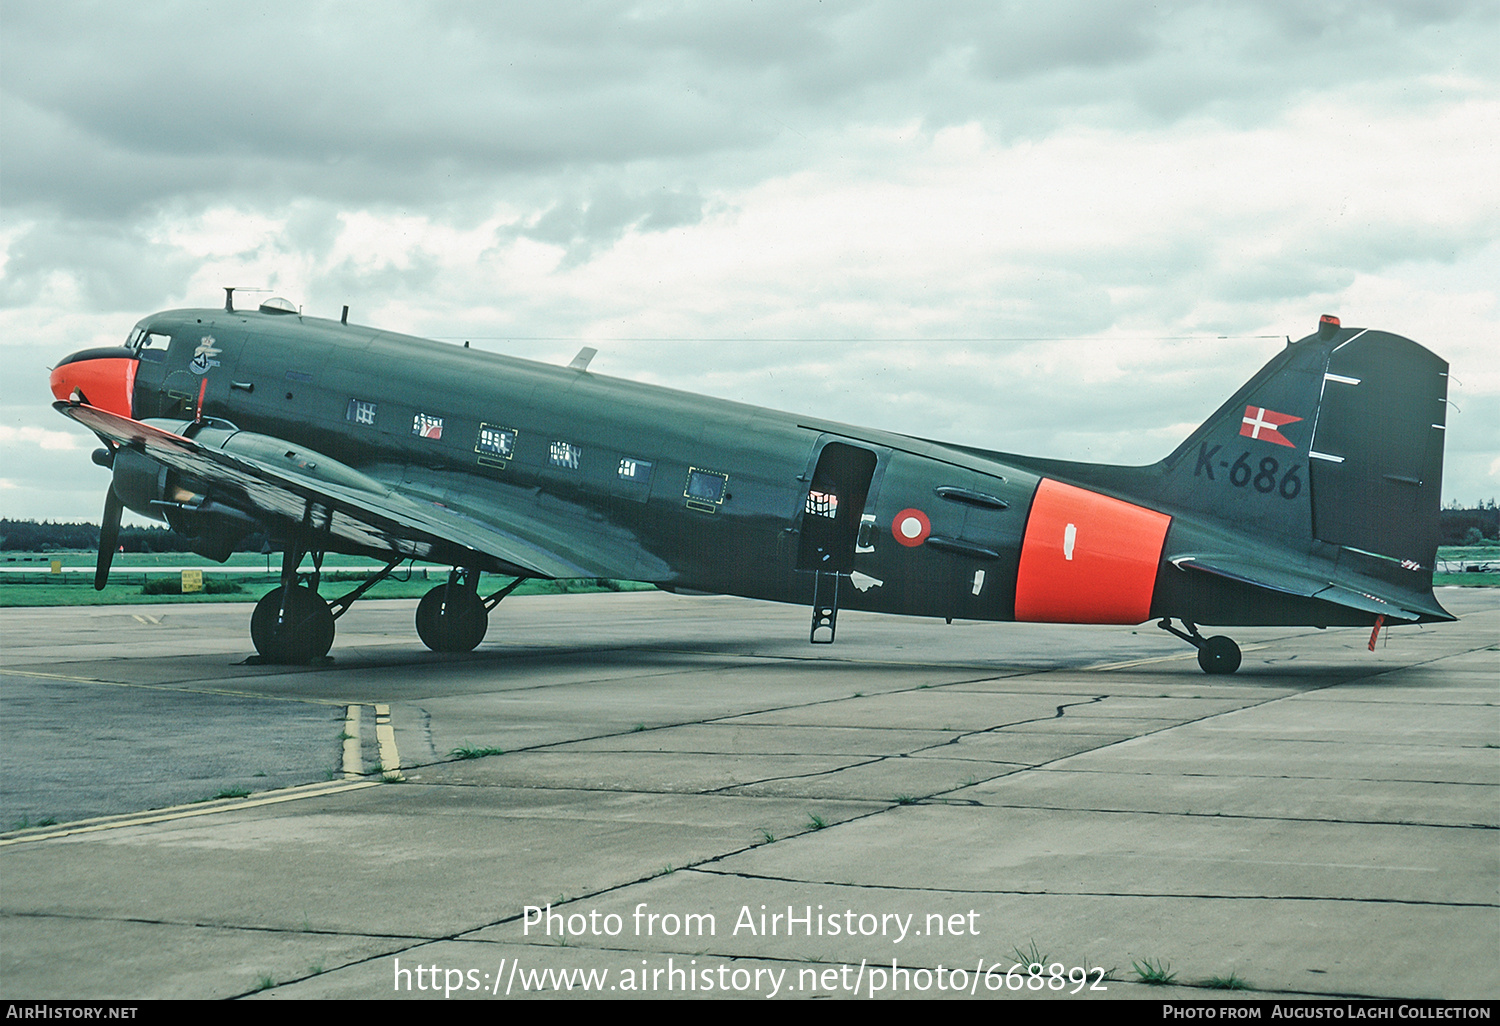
(565, 455)
(495, 445)
(635, 471)
(705, 489)
(360, 412)
(822, 504)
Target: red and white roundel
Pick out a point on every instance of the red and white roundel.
(911, 527)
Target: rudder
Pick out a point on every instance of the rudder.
(1377, 449)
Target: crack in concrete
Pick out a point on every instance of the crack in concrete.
(1053, 892)
(1229, 815)
(1272, 776)
(241, 927)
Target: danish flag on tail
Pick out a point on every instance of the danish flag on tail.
(1262, 423)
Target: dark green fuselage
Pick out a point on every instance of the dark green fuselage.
(1309, 497)
(300, 378)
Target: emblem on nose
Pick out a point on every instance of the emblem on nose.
(203, 356)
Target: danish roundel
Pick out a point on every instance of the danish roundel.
(911, 527)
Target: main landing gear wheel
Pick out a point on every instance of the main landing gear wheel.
(1219, 655)
(298, 630)
(452, 618)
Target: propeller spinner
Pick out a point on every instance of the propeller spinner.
(104, 378)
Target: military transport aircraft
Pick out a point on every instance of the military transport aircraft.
(1309, 498)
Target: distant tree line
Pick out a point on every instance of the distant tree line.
(1470, 526)
(31, 536)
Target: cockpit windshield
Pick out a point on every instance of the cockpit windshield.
(142, 338)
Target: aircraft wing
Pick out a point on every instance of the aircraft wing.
(279, 479)
(1352, 591)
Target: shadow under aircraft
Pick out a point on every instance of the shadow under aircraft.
(1310, 497)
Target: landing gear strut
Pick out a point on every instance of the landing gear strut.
(1215, 655)
(292, 623)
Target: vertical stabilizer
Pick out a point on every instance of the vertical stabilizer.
(1338, 439)
(1320, 477)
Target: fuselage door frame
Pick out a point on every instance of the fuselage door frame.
(842, 480)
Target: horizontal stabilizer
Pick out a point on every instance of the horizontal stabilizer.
(1309, 583)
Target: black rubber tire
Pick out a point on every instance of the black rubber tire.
(1219, 655)
(452, 618)
(303, 634)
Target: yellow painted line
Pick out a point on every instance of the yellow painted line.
(385, 736)
(1142, 662)
(291, 794)
(353, 765)
(1163, 659)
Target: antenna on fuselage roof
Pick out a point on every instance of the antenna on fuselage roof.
(230, 290)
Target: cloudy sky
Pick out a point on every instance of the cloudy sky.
(1065, 228)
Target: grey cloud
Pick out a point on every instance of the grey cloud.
(112, 265)
(1376, 246)
(1143, 65)
(583, 226)
(418, 104)
(586, 122)
(1330, 261)
(1024, 39)
(153, 104)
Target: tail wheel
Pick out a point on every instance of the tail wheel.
(297, 630)
(452, 618)
(1219, 655)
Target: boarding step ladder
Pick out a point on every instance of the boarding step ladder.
(825, 607)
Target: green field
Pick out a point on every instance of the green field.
(27, 579)
(1452, 556)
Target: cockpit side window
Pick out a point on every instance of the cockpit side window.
(154, 340)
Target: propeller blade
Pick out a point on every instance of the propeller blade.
(109, 537)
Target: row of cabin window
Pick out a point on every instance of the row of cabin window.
(500, 443)
(497, 443)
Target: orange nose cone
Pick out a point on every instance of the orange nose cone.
(102, 378)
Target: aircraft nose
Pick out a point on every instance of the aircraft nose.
(102, 378)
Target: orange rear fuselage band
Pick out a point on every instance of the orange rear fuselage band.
(1087, 558)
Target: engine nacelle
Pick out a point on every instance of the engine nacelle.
(140, 482)
(158, 492)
